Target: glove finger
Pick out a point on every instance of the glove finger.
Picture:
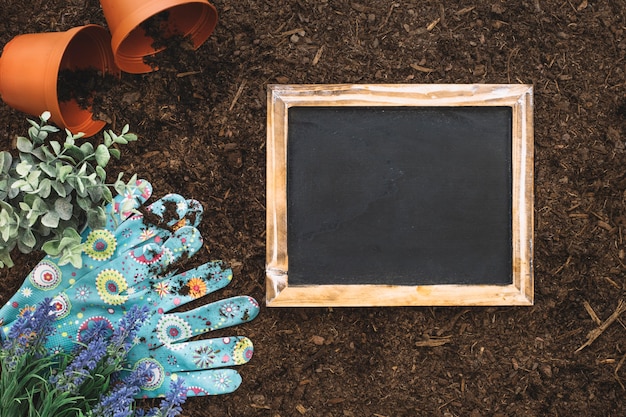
(168, 329)
(122, 206)
(194, 213)
(142, 228)
(197, 355)
(198, 383)
(153, 260)
(177, 212)
(211, 382)
(187, 286)
(183, 213)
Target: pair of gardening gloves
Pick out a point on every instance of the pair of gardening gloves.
(132, 262)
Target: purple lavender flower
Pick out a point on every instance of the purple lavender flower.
(119, 402)
(140, 375)
(129, 326)
(81, 366)
(123, 337)
(171, 405)
(176, 396)
(29, 333)
(33, 322)
(99, 329)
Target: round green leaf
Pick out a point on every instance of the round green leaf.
(24, 145)
(23, 168)
(102, 155)
(28, 238)
(50, 219)
(102, 174)
(5, 161)
(64, 208)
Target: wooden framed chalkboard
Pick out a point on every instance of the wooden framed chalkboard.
(397, 195)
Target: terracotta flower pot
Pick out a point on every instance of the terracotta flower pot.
(29, 73)
(195, 19)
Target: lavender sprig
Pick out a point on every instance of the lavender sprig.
(97, 330)
(107, 372)
(22, 359)
(129, 325)
(171, 405)
(81, 366)
(123, 338)
(29, 333)
(119, 402)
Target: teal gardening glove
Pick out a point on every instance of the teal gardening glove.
(164, 338)
(129, 275)
(123, 231)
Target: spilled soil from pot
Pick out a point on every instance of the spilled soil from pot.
(201, 123)
(88, 87)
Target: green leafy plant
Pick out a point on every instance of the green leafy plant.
(51, 190)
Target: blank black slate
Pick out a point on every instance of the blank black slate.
(399, 195)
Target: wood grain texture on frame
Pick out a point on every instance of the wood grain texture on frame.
(280, 98)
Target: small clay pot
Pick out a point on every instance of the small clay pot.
(195, 19)
(29, 73)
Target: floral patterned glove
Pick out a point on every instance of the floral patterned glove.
(123, 231)
(163, 340)
(125, 268)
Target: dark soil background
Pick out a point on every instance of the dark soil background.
(201, 124)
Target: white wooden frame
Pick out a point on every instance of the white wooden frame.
(281, 97)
